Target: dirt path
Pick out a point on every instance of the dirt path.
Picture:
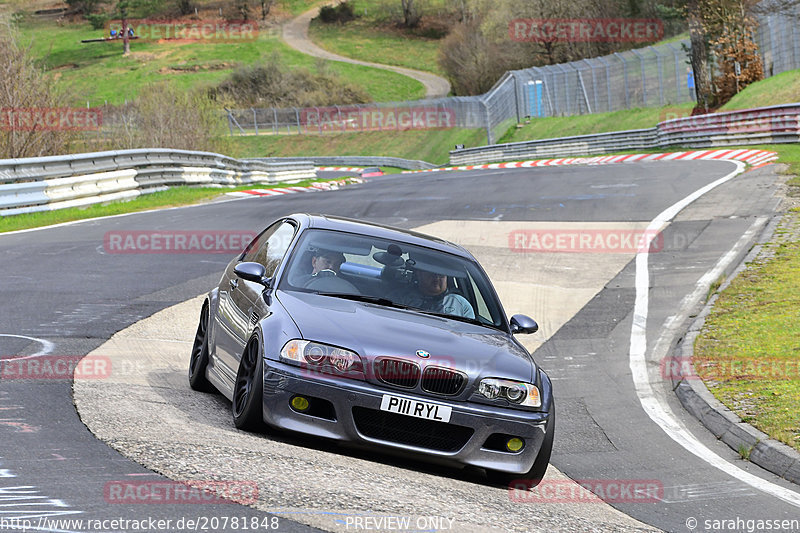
(295, 33)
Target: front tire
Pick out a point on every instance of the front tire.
(198, 361)
(248, 413)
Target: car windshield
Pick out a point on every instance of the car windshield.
(391, 273)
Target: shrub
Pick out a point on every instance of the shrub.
(164, 116)
(341, 13)
(97, 20)
(272, 84)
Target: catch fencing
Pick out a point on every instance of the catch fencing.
(653, 76)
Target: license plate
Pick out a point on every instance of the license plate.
(416, 408)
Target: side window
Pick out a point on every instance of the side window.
(256, 244)
(483, 313)
(270, 252)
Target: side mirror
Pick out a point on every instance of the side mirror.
(254, 272)
(523, 324)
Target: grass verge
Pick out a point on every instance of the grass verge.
(747, 352)
(176, 196)
(427, 145)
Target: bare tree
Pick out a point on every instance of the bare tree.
(699, 53)
(25, 89)
(410, 14)
(266, 5)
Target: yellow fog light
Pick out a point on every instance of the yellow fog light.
(299, 403)
(514, 444)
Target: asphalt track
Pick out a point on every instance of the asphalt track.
(60, 287)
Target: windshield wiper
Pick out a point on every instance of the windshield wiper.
(454, 317)
(365, 298)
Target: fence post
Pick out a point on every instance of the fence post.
(274, 121)
(678, 93)
(659, 64)
(297, 117)
(489, 133)
(255, 119)
(230, 121)
(516, 95)
(644, 79)
(608, 81)
(594, 85)
(625, 76)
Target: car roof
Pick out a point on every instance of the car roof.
(361, 227)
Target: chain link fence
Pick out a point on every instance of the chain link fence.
(654, 76)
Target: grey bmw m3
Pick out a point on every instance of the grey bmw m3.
(375, 336)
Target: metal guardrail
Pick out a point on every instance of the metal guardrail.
(56, 182)
(766, 125)
(356, 161)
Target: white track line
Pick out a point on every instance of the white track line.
(655, 407)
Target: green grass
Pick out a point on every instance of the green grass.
(426, 145)
(97, 72)
(175, 196)
(362, 39)
(630, 119)
(753, 323)
(781, 89)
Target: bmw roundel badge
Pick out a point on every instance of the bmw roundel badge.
(423, 354)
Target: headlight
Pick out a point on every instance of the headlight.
(516, 392)
(322, 357)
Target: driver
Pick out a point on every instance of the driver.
(431, 294)
(326, 260)
(324, 277)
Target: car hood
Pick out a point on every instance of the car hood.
(375, 331)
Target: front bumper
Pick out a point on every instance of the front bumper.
(282, 382)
